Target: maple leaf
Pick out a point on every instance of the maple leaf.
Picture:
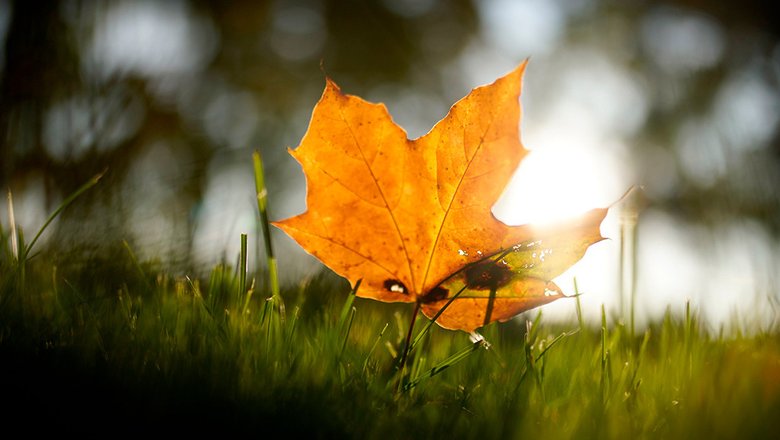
(413, 219)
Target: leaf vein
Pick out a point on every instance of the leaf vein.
(381, 193)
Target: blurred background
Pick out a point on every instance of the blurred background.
(680, 97)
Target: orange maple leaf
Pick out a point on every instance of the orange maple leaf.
(412, 218)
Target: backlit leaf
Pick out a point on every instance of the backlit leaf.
(412, 218)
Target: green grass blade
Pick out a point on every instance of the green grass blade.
(604, 358)
(555, 341)
(12, 225)
(92, 182)
(446, 363)
(580, 319)
(292, 326)
(373, 347)
(429, 324)
(136, 264)
(262, 207)
(348, 304)
(346, 333)
(242, 270)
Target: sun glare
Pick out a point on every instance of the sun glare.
(564, 176)
(558, 183)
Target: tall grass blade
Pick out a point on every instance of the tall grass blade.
(136, 264)
(447, 363)
(349, 329)
(580, 319)
(242, 270)
(430, 322)
(262, 207)
(348, 304)
(604, 357)
(12, 225)
(557, 339)
(293, 325)
(92, 182)
(407, 345)
(373, 347)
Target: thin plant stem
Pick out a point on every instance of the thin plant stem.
(262, 207)
(12, 225)
(443, 365)
(622, 267)
(429, 324)
(604, 358)
(407, 345)
(136, 264)
(242, 270)
(634, 270)
(348, 303)
(90, 183)
(580, 319)
(495, 257)
(373, 347)
(346, 334)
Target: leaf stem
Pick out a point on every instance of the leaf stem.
(489, 308)
(435, 317)
(407, 345)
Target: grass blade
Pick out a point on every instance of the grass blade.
(373, 347)
(242, 270)
(12, 225)
(430, 322)
(580, 319)
(92, 182)
(605, 372)
(555, 341)
(346, 334)
(446, 363)
(136, 264)
(348, 304)
(262, 205)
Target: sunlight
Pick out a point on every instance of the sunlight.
(564, 176)
(560, 181)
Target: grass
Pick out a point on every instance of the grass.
(118, 346)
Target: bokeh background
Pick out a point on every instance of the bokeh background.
(680, 97)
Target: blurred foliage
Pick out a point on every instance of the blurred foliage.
(72, 105)
(169, 94)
